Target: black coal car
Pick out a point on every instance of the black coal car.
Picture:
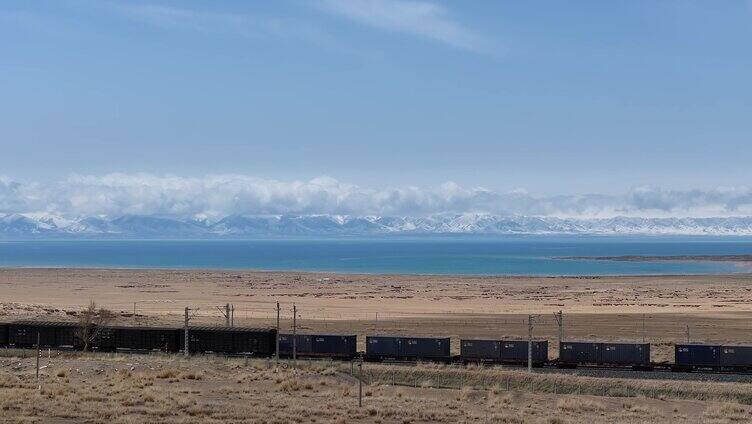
(164, 339)
(60, 335)
(636, 355)
(407, 348)
(319, 345)
(231, 340)
(3, 334)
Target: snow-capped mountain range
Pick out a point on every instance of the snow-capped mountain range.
(44, 225)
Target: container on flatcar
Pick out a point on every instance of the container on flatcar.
(383, 347)
(23, 334)
(573, 353)
(285, 344)
(736, 357)
(697, 356)
(408, 348)
(336, 346)
(515, 351)
(474, 350)
(635, 354)
(303, 345)
(319, 345)
(434, 348)
(163, 339)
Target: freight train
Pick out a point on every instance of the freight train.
(262, 342)
(65, 335)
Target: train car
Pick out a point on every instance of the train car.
(572, 354)
(430, 348)
(475, 350)
(636, 355)
(254, 341)
(59, 335)
(230, 340)
(319, 345)
(383, 347)
(736, 358)
(516, 352)
(286, 345)
(696, 356)
(3, 334)
(104, 340)
(408, 348)
(146, 339)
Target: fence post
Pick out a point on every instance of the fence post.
(360, 384)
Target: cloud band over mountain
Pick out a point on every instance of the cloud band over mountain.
(216, 196)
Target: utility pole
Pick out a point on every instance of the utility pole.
(277, 341)
(232, 316)
(227, 315)
(185, 342)
(530, 343)
(294, 336)
(134, 309)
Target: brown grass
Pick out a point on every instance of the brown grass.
(166, 389)
(498, 380)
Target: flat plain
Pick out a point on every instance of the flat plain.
(659, 309)
(167, 388)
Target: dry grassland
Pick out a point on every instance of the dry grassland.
(658, 309)
(118, 388)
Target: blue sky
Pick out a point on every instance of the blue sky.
(549, 97)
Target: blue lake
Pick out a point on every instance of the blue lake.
(481, 256)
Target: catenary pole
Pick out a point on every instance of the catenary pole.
(277, 338)
(294, 336)
(530, 343)
(39, 354)
(185, 336)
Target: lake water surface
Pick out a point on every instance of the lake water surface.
(445, 255)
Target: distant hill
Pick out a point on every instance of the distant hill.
(43, 225)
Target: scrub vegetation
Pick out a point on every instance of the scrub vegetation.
(122, 388)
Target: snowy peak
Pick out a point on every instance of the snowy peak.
(41, 225)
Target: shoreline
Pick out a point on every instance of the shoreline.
(398, 274)
(740, 260)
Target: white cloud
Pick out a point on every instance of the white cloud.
(424, 19)
(221, 195)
